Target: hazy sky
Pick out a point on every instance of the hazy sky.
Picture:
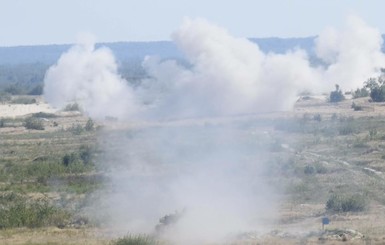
(25, 22)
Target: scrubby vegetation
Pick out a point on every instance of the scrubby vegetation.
(72, 107)
(44, 115)
(360, 93)
(336, 95)
(37, 164)
(346, 203)
(18, 211)
(376, 87)
(318, 160)
(136, 240)
(33, 123)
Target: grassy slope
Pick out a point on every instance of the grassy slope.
(316, 151)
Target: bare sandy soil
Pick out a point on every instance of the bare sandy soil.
(16, 110)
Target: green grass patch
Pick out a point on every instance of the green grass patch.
(33, 123)
(18, 211)
(136, 240)
(346, 203)
(44, 115)
(25, 100)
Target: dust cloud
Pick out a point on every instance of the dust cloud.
(211, 177)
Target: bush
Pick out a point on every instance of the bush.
(89, 125)
(346, 129)
(69, 159)
(17, 211)
(336, 95)
(33, 123)
(72, 107)
(360, 92)
(24, 100)
(86, 154)
(357, 107)
(346, 203)
(376, 87)
(44, 115)
(315, 169)
(135, 240)
(76, 129)
(378, 94)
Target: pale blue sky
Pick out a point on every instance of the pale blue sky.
(26, 22)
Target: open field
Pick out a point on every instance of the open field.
(317, 152)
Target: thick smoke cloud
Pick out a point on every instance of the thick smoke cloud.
(89, 77)
(213, 174)
(352, 55)
(228, 75)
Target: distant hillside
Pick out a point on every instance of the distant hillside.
(282, 45)
(49, 54)
(127, 51)
(23, 68)
(133, 51)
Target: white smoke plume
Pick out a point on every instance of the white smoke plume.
(228, 75)
(352, 55)
(213, 172)
(213, 176)
(89, 77)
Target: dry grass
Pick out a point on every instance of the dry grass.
(346, 145)
(52, 235)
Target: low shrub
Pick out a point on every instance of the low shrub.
(357, 107)
(346, 129)
(69, 158)
(315, 169)
(81, 158)
(11, 122)
(346, 203)
(336, 95)
(72, 107)
(86, 154)
(23, 100)
(135, 240)
(76, 129)
(44, 115)
(360, 92)
(18, 211)
(90, 125)
(33, 123)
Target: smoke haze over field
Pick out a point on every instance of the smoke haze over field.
(215, 173)
(228, 75)
(90, 78)
(213, 176)
(353, 54)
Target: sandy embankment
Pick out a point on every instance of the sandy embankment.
(15, 110)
